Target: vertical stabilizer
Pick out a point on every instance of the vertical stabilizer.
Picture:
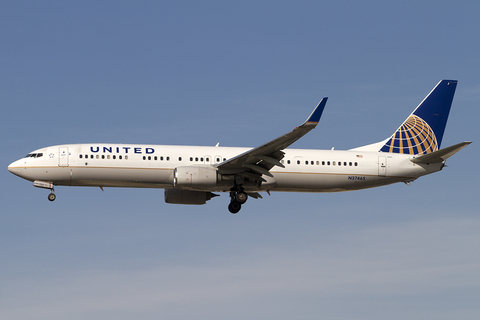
(423, 130)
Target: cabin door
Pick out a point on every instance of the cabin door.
(63, 157)
(382, 166)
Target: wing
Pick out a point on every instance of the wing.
(251, 165)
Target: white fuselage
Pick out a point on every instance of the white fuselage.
(152, 166)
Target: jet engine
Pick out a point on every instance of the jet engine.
(177, 196)
(195, 177)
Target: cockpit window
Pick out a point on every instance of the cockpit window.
(34, 155)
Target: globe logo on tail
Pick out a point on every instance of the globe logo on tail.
(415, 136)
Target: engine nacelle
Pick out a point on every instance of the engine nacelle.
(195, 177)
(177, 196)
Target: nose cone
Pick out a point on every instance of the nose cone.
(15, 168)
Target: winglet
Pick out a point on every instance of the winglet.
(314, 117)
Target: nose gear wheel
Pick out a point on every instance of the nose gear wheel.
(52, 195)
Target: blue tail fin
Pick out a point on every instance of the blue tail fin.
(423, 130)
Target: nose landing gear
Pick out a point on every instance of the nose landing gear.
(52, 195)
(46, 185)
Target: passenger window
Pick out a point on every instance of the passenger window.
(328, 163)
(196, 159)
(161, 158)
(103, 156)
(339, 163)
(311, 162)
(356, 164)
(288, 161)
(298, 161)
(126, 157)
(306, 162)
(201, 159)
(207, 159)
(155, 158)
(191, 158)
(120, 157)
(144, 158)
(179, 158)
(350, 164)
(218, 159)
(149, 158)
(168, 158)
(80, 156)
(91, 156)
(108, 156)
(114, 157)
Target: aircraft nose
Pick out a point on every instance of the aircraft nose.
(13, 168)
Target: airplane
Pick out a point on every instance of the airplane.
(191, 174)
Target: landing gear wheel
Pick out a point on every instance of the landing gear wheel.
(234, 207)
(241, 197)
(52, 197)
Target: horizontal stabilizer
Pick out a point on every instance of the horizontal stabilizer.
(442, 154)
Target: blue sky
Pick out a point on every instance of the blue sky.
(239, 73)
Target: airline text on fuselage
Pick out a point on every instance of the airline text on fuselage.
(137, 150)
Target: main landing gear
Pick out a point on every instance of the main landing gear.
(237, 198)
